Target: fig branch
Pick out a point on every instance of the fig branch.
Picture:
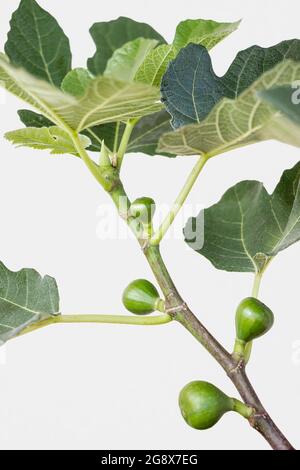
(233, 364)
(127, 100)
(178, 309)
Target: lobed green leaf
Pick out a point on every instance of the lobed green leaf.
(154, 66)
(52, 138)
(125, 61)
(248, 226)
(111, 35)
(32, 119)
(205, 32)
(208, 33)
(105, 99)
(144, 138)
(191, 89)
(37, 43)
(96, 134)
(25, 298)
(234, 123)
(76, 82)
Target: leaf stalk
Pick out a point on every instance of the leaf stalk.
(124, 141)
(257, 283)
(180, 200)
(93, 318)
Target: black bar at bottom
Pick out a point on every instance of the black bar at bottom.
(136, 458)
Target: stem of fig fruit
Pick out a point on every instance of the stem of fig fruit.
(239, 349)
(242, 409)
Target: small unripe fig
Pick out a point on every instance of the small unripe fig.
(202, 404)
(141, 297)
(143, 209)
(253, 319)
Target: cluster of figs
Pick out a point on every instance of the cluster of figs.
(201, 403)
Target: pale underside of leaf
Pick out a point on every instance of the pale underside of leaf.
(106, 99)
(36, 92)
(205, 32)
(109, 100)
(51, 138)
(236, 123)
(126, 61)
(76, 82)
(208, 33)
(155, 65)
(144, 137)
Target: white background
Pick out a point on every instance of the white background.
(116, 387)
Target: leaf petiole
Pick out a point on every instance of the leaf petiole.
(113, 319)
(125, 140)
(256, 284)
(91, 165)
(180, 200)
(116, 138)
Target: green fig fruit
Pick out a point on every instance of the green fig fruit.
(253, 319)
(202, 404)
(143, 209)
(141, 297)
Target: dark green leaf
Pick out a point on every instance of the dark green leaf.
(25, 298)
(234, 123)
(144, 138)
(205, 32)
(104, 132)
(111, 35)
(147, 133)
(32, 119)
(190, 88)
(37, 43)
(248, 227)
